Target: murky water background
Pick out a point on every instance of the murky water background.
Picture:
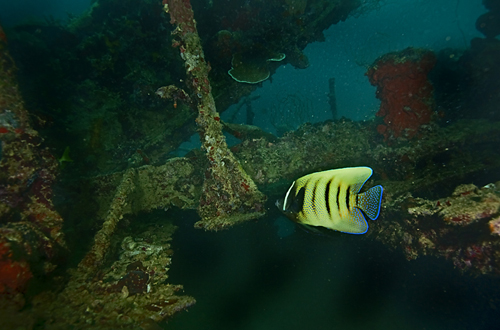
(249, 278)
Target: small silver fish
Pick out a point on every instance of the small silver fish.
(331, 199)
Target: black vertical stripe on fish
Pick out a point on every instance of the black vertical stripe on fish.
(327, 197)
(313, 206)
(347, 195)
(348, 216)
(337, 199)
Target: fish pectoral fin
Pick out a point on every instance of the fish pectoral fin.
(370, 201)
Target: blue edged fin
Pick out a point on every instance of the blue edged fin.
(370, 201)
(356, 222)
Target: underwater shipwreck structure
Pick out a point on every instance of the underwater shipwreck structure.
(426, 163)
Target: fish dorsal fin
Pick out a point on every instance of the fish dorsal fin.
(350, 176)
(370, 201)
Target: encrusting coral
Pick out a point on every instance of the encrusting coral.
(405, 91)
(31, 236)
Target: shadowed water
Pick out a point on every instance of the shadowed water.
(249, 278)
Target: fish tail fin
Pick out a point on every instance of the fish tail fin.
(370, 201)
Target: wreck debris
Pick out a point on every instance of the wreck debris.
(229, 194)
(95, 257)
(488, 23)
(106, 65)
(177, 183)
(175, 93)
(437, 162)
(481, 67)
(250, 114)
(245, 132)
(461, 227)
(31, 228)
(405, 91)
(131, 294)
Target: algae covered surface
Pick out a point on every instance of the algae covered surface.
(143, 146)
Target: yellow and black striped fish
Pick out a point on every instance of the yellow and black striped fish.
(331, 199)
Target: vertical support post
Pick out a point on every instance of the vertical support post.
(229, 194)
